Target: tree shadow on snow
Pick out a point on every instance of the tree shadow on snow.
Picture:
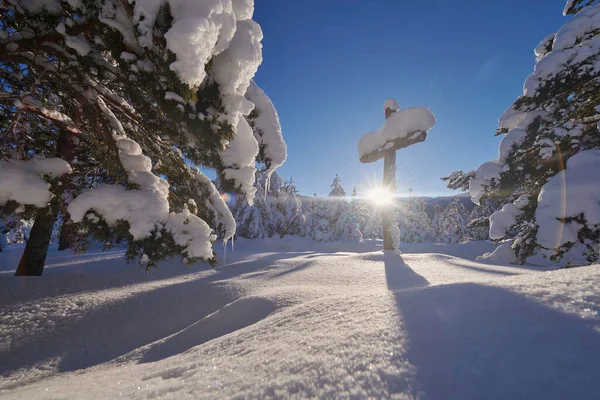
(471, 341)
(119, 327)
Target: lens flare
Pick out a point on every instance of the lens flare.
(381, 196)
(227, 197)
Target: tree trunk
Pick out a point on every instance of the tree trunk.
(67, 232)
(36, 249)
(66, 150)
(389, 182)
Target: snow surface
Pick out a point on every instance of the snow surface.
(291, 318)
(402, 124)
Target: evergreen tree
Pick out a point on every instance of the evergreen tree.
(336, 188)
(286, 209)
(108, 103)
(361, 213)
(453, 222)
(479, 220)
(548, 164)
(436, 224)
(415, 225)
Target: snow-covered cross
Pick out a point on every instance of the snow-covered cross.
(402, 128)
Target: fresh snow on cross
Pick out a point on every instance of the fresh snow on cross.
(404, 123)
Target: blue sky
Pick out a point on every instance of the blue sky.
(330, 64)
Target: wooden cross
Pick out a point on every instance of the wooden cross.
(388, 153)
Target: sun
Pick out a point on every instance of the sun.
(381, 196)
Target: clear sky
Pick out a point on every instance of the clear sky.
(330, 64)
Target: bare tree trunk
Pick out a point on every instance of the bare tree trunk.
(36, 249)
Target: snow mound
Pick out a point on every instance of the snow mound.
(502, 255)
(306, 324)
(229, 318)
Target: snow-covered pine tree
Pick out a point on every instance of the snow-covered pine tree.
(342, 224)
(436, 224)
(453, 222)
(415, 225)
(109, 101)
(548, 164)
(479, 220)
(286, 211)
(253, 220)
(320, 227)
(361, 212)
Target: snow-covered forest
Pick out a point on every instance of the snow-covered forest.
(140, 177)
(347, 216)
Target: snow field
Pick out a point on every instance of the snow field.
(283, 320)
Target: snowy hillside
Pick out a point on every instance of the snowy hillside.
(279, 321)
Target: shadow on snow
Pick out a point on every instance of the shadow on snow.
(472, 341)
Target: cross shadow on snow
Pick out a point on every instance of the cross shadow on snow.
(471, 341)
(398, 275)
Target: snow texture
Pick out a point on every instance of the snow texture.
(307, 321)
(200, 30)
(239, 159)
(502, 220)
(21, 181)
(267, 127)
(570, 193)
(391, 104)
(402, 124)
(503, 254)
(146, 209)
(574, 43)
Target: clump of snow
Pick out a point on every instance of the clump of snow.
(267, 127)
(484, 176)
(513, 138)
(405, 123)
(391, 104)
(79, 44)
(21, 181)
(235, 67)
(224, 220)
(239, 159)
(570, 193)
(145, 209)
(502, 220)
(128, 57)
(175, 97)
(542, 48)
(573, 43)
(502, 255)
(200, 30)
(192, 233)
